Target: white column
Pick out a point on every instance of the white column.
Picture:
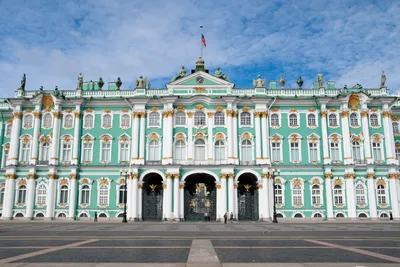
(30, 196)
(210, 136)
(169, 198)
(190, 135)
(221, 198)
(72, 196)
(14, 142)
(235, 137)
(135, 137)
(170, 134)
(165, 128)
(56, 138)
(230, 194)
(230, 135)
(51, 196)
(142, 139)
(270, 195)
(265, 137)
(389, 143)
(266, 204)
(77, 135)
(9, 197)
(181, 201)
(346, 137)
(365, 129)
(140, 197)
(176, 198)
(135, 198)
(235, 201)
(328, 192)
(261, 200)
(351, 196)
(373, 213)
(258, 136)
(35, 140)
(393, 196)
(129, 197)
(325, 141)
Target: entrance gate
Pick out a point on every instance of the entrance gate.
(152, 199)
(247, 198)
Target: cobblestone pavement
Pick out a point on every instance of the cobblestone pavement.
(198, 244)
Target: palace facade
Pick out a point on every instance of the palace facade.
(200, 148)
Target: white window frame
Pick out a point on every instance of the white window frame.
(222, 147)
(99, 188)
(339, 143)
(183, 147)
(280, 150)
(196, 117)
(386, 195)
(81, 185)
(83, 147)
(42, 196)
(250, 118)
(120, 143)
(118, 188)
(110, 138)
(44, 125)
(279, 120)
(282, 183)
(2, 195)
(195, 146)
(292, 185)
(358, 120)
(381, 146)
(62, 143)
(315, 118)
(337, 120)
(317, 143)
(121, 118)
(24, 123)
(378, 118)
(4, 155)
(299, 147)
(21, 150)
(17, 195)
(364, 195)
(103, 126)
(8, 130)
(182, 116)
(343, 194)
(85, 124)
(159, 150)
(218, 117)
(150, 122)
(67, 115)
(397, 132)
(361, 150)
(251, 150)
(320, 182)
(297, 120)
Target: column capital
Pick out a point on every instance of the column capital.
(264, 114)
(328, 175)
(57, 114)
(230, 175)
(52, 176)
(210, 114)
(364, 114)
(344, 114)
(370, 175)
(257, 114)
(324, 113)
(386, 114)
(223, 175)
(73, 176)
(392, 175)
(31, 175)
(11, 176)
(17, 115)
(190, 114)
(229, 112)
(36, 114)
(181, 185)
(349, 175)
(77, 114)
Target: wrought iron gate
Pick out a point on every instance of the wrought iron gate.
(248, 205)
(152, 203)
(200, 204)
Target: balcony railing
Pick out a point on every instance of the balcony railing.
(247, 162)
(359, 161)
(153, 162)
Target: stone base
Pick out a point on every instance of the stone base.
(6, 218)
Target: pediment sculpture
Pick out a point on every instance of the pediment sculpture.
(259, 82)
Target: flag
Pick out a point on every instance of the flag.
(203, 40)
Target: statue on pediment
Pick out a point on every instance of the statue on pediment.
(23, 82)
(219, 74)
(383, 79)
(182, 73)
(320, 80)
(282, 81)
(80, 82)
(259, 82)
(300, 82)
(142, 83)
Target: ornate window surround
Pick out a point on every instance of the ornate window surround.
(335, 138)
(320, 182)
(44, 115)
(103, 181)
(179, 112)
(278, 113)
(119, 183)
(26, 138)
(374, 138)
(282, 182)
(8, 126)
(294, 182)
(296, 113)
(82, 182)
(378, 115)
(358, 119)
(93, 114)
(18, 183)
(87, 138)
(277, 138)
(314, 138)
(39, 182)
(315, 113)
(295, 138)
(361, 181)
(149, 114)
(5, 147)
(124, 138)
(129, 120)
(24, 118)
(336, 114)
(105, 138)
(66, 139)
(154, 137)
(103, 114)
(61, 182)
(246, 136)
(342, 182)
(385, 182)
(251, 125)
(220, 137)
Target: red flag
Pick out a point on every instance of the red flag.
(203, 40)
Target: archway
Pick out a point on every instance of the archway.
(152, 197)
(200, 199)
(247, 197)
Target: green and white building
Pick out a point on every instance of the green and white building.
(200, 148)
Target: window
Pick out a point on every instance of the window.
(41, 195)
(180, 118)
(85, 194)
(311, 120)
(25, 151)
(276, 151)
(219, 150)
(47, 121)
(294, 152)
(297, 195)
(180, 150)
(122, 195)
(123, 151)
(397, 151)
(316, 195)
(199, 118)
(105, 151)
(360, 195)
(313, 151)
(338, 194)
(245, 118)
(199, 149)
(335, 153)
(377, 151)
(154, 119)
(68, 121)
(354, 120)
(8, 129)
(219, 118)
(103, 195)
(373, 118)
(64, 194)
(89, 121)
(278, 194)
(396, 129)
(246, 148)
(125, 121)
(293, 120)
(381, 193)
(274, 120)
(340, 215)
(333, 122)
(44, 154)
(106, 121)
(154, 151)
(2, 196)
(6, 151)
(28, 121)
(21, 194)
(87, 151)
(66, 151)
(356, 151)
(317, 215)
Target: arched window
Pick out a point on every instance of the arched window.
(396, 129)
(219, 118)
(199, 149)
(311, 120)
(87, 153)
(125, 121)
(373, 118)
(276, 151)
(383, 215)
(83, 215)
(354, 120)
(2, 190)
(180, 150)
(121, 195)
(39, 215)
(8, 129)
(316, 195)
(381, 193)
(66, 152)
(246, 151)
(340, 215)
(85, 194)
(154, 151)
(63, 194)
(297, 195)
(333, 122)
(25, 151)
(28, 121)
(44, 154)
(154, 119)
(278, 194)
(103, 195)
(22, 194)
(245, 118)
(68, 121)
(275, 120)
(360, 194)
(317, 215)
(219, 150)
(180, 118)
(123, 151)
(62, 215)
(362, 215)
(199, 118)
(88, 124)
(106, 121)
(335, 152)
(377, 151)
(298, 215)
(47, 121)
(338, 194)
(41, 195)
(105, 151)
(293, 120)
(356, 148)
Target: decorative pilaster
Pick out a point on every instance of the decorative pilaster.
(263, 196)
(210, 135)
(328, 189)
(230, 135)
(134, 204)
(265, 137)
(77, 134)
(35, 139)
(135, 137)
(190, 135)
(30, 197)
(235, 201)
(346, 137)
(177, 198)
(235, 136)
(181, 200)
(142, 138)
(167, 137)
(231, 203)
(393, 195)
(9, 196)
(140, 199)
(389, 140)
(351, 195)
(258, 137)
(221, 197)
(15, 134)
(325, 141)
(56, 137)
(169, 196)
(367, 143)
(72, 195)
(371, 195)
(51, 196)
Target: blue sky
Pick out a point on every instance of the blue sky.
(53, 41)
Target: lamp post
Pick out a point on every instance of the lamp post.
(272, 173)
(125, 173)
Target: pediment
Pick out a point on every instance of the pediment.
(200, 78)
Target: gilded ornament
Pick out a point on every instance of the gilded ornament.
(210, 114)
(67, 139)
(219, 108)
(313, 139)
(315, 181)
(377, 138)
(87, 139)
(374, 110)
(381, 181)
(28, 110)
(276, 139)
(199, 90)
(154, 108)
(181, 186)
(107, 111)
(22, 182)
(312, 109)
(259, 186)
(275, 109)
(256, 114)
(234, 113)
(294, 138)
(25, 140)
(364, 113)
(106, 139)
(57, 114)
(246, 136)
(395, 118)
(64, 182)
(328, 175)
(246, 108)
(398, 145)
(229, 112)
(293, 110)
(68, 110)
(52, 176)
(125, 110)
(230, 175)
(392, 176)
(354, 100)
(17, 115)
(31, 175)
(278, 181)
(9, 121)
(199, 106)
(124, 140)
(333, 110)
(47, 101)
(89, 110)
(235, 185)
(386, 114)
(297, 181)
(344, 114)
(247, 187)
(180, 108)
(73, 176)
(164, 186)
(324, 113)
(104, 181)
(220, 136)
(338, 182)
(140, 186)
(223, 175)
(77, 114)
(190, 114)
(264, 114)
(122, 181)
(7, 146)
(143, 114)
(153, 137)
(180, 136)
(200, 135)
(84, 181)
(349, 175)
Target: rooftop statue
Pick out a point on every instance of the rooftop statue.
(320, 80)
(80, 82)
(219, 74)
(357, 86)
(100, 83)
(282, 81)
(118, 83)
(383, 79)
(300, 82)
(182, 73)
(56, 92)
(259, 82)
(142, 83)
(23, 82)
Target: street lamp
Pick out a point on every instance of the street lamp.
(272, 174)
(125, 173)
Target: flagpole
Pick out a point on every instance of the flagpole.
(201, 45)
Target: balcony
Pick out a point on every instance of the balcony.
(360, 161)
(247, 162)
(153, 162)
